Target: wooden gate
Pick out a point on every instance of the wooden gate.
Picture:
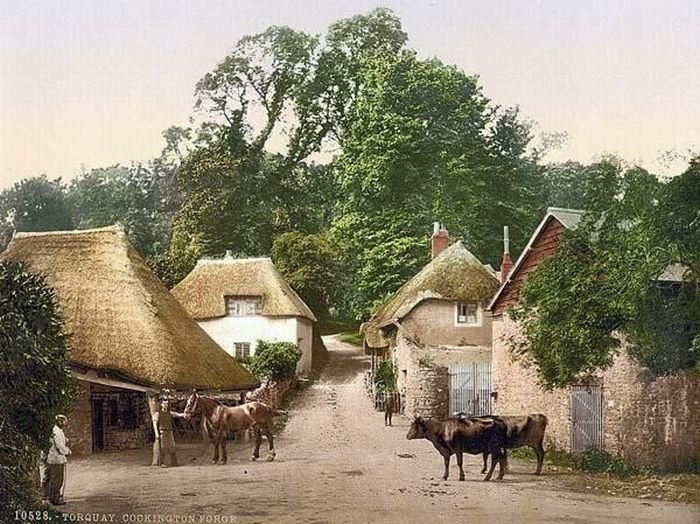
(470, 388)
(586, 417)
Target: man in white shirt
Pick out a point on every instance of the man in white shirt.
(56, 462)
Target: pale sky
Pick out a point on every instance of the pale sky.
(93, 83)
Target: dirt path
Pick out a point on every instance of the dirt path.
(336, 462)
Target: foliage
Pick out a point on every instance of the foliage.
(385, 377)
(332, 327)
(354, 338)
(34, 380)
(140, 199)
(274, 360)
(33, 204)
(602, 284)
(598, 461)
(309, 264)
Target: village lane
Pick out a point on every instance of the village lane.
(337, 462)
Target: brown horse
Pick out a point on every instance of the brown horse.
(224, 419)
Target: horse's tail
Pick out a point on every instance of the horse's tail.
(271, 409)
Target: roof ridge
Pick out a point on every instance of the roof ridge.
(116, 228)
(208, 261)
(565, 209)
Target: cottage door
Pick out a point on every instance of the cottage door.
(470, 388)
(98, 432)
(586, 417)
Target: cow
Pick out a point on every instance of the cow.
(523, 430)
(458, 436)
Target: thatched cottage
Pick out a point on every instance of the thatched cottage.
(647, 421)
(240, 301)
(128, 336)
(436, 330)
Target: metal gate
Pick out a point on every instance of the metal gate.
(470, 388)
(586, 417)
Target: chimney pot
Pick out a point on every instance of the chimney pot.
(440, 239)
(506, 263)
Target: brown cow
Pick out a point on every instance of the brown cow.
(458, 436)
(524, 430)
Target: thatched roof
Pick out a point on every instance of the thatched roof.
(120, 317)
(202, 293)
(455, 274)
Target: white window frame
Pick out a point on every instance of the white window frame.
(245, 347)
(244, 306)
(479, 321)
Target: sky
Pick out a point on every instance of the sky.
(92, 83)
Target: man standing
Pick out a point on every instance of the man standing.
(56, 462)
(163, 427)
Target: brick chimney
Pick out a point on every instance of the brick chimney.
(506, 263)
(440, 240)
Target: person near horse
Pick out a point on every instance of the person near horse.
(163, 427)
(56, 463)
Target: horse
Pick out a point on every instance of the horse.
(224, 419)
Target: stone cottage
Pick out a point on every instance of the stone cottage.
(128, 336)
(240, 301)
(436, 330)
(646, 421)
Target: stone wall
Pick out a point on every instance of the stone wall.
(649, 422)
(79, 430)
(517, 392)
(422, 380)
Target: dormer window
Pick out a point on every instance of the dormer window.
(243, 306)
(468, 314)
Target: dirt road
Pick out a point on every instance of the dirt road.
(336, 462)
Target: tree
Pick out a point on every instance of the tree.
(34, 381)
(309, 264)
(424, 144)
(604, 282)
(33, 204)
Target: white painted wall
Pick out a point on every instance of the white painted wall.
(227, 330)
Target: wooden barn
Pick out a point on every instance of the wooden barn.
(646, 421)
(128, 336)
(436, 330)
(240, 301)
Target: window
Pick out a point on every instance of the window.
(243, 306)
(241, 349)
(468, 313)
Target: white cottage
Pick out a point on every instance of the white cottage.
(240, 301)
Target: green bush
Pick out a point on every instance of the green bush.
(597, 461)
(34, 382)
(274, 360)
(385, 378)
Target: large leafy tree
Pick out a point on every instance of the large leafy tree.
(34, 381)
(610, 279)
(309, 264)
(425, 145)
(33, 204)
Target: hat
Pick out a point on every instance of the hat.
(61, 417)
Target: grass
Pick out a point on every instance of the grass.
(592, 461)
(351, 338)
(333, 327)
